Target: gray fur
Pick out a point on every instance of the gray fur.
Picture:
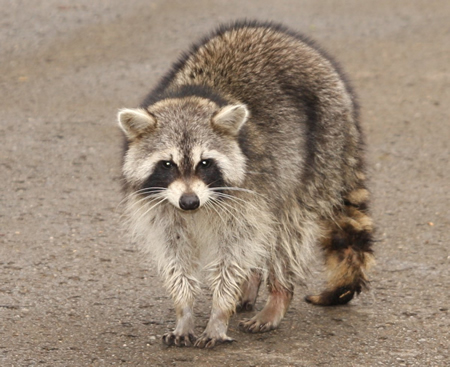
(280, 121)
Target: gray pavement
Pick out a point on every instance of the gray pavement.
(74, 291)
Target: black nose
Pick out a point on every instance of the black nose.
(189, 202)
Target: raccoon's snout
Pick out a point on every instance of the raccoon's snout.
(189, 202)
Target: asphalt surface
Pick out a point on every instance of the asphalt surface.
(74, 291)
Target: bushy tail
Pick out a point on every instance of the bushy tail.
(348, 251)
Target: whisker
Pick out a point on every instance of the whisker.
(257, 173)
(232, 188)
(228, 196)
(229, 208)
(140, 198)
(222, 206)
(210, 205)
(147, 211)
(239, 201)
(147, 200)
(231, 198)
(225, 207)
(149, 190)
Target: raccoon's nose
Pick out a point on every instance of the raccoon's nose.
(189, 202)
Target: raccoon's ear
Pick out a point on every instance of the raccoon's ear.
(133, 122)
(230, 118)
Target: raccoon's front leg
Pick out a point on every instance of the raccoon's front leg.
(183, 334)
(216, 330)
(183, 287)
(226, 290)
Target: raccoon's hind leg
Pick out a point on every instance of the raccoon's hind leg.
(249, 290)
(270, 316)
(348, 253)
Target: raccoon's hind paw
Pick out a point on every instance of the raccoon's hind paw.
(179, 340)
(249, 294)
(255, 325)
(206, 341)
(245, 306)
(270, 316)
(338, 296)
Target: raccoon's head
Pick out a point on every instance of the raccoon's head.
(183, 150)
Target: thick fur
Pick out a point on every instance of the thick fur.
(245, 156)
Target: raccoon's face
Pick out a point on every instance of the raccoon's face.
(183, 150)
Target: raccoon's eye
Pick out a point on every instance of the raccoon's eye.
(167, 164)
(205, 163)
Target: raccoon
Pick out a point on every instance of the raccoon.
(247, 155)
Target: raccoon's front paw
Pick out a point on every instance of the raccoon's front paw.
(179, 340)
(208, 341)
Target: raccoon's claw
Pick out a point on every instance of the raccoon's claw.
(204, 341)
(179, 340)
(255, 325)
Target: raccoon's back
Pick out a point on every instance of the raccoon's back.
(260, 64)
(303, 127)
